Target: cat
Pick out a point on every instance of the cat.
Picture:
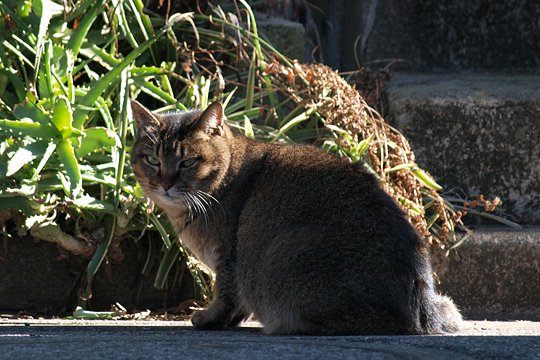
(307, 242)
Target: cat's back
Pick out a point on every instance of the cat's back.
(298, 185)
(305, 180)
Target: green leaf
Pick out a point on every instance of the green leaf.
(418, 173)
(26, 127)
(44, 79)
(252, 113)
(79, 313)
(16, 81)
(24, 8)
(142, 19)
(35, 220)
(100, 179)
(408, 203)
(46, 156)
(123, 99)
(97, 138)
(88, 202)
(66, 154)
(62, 115)
(431, 220)
(21, 157)
(25, 155)
(492, 217)
(24, 189)
(154, 91)
(464, 238)
(253, 29)
(22, 203)
(17, 52)
(123, 23)
(31, 111)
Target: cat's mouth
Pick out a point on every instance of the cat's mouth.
(175, 194)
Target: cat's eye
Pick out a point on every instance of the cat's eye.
(152, 160)
(188, 162)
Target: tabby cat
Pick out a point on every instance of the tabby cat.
(307, 242)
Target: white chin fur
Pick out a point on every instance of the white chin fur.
(170, 200)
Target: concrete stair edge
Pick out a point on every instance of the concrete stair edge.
(495, 275)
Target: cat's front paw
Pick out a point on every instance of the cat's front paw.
(208, 320)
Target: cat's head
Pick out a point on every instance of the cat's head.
(178, 155)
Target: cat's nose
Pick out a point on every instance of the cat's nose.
(167, 184)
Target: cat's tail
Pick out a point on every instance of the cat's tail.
(441, 315)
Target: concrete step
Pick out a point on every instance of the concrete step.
(457, 34)
(479, 133)
(495, 275)
(288, 37)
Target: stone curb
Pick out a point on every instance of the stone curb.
(495, 275)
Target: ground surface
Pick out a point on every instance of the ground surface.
(59, 339)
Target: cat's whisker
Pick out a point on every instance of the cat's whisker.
(189, 205)
(201, 207)
(210, 198)
(195, 208)
(206, 202)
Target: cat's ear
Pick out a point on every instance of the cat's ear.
(143, 117)
(211, 120)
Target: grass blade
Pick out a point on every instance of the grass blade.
(98, 87)
(425, 179)
(250, 86)
(294, 122)
(248, 129)
(161, 229)
(99, 255)
(170, 258)
(48, 10)
(79, 35)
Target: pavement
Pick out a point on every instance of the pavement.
(109, 339)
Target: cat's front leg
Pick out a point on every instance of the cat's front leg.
(223, 309)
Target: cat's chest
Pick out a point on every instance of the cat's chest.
(201, 244)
